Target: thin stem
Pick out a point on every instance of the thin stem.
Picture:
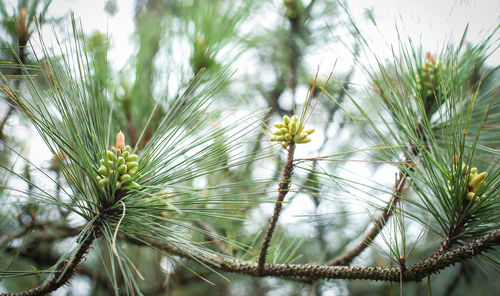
(380, 222)
(454, 232)
(283, 190)
(213, 237)
(5, 118)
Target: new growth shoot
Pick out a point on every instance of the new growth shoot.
(120, 166)
(428, 76)
(291, 129)
(475, 181)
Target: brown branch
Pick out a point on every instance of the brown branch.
(454, 232)
(380, 222)
(66, 270)
(283, 190)
(415, 272)
(298, 272)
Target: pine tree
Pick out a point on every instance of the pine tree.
(183, 172)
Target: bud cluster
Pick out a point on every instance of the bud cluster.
(291, 129)
(428, 76)
(120, 165)
(475, 182)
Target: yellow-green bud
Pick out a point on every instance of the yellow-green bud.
(475, 182)
(104, 181)
(295, 119)
(470, 195)
(288, 137)
(306, 140)
(286, 119)
(278, 132)
(111, 155)
(279, 125)
(310, 131)
(293, 128)
(132, 157)
(125, 178)
(122, 169)
(127, 148)
(302, 136)
(103, 171)
(132, 165)
(120, 161)
(125, 154)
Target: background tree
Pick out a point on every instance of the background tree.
(190, 170)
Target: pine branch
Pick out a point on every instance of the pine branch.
(283, 190)
(415, 272)
(454, 231)
(298, 272)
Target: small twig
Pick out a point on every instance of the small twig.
(4, 120)
(213, 237)
(283, 190)
(454, 231)
(380, 222)
(326, 158)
